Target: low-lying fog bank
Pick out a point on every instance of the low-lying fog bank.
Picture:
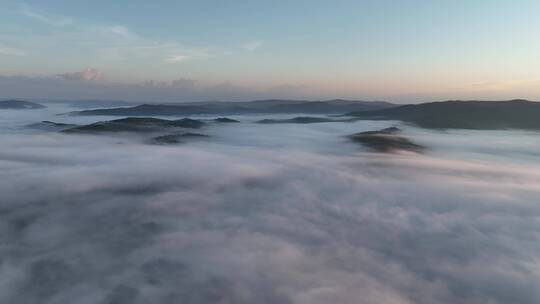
(279, 213)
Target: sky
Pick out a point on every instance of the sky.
(401, 51)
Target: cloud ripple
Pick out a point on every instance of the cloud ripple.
(105, 220)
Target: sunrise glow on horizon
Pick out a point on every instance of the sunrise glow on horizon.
(393, 50)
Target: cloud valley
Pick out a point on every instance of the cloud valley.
(268, 214)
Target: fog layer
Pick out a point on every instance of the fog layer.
(267, 214)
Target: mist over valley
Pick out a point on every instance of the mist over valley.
(211, 208)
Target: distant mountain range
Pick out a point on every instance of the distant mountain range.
(19, 105)
(302, 120)
(135, 124)
(451, 114)
(456, 114)
(337, 106)
(91, 104)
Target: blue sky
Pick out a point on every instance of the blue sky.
(396, 50)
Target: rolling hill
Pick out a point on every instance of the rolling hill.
(457, 114)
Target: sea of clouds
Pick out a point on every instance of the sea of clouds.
(267, 214)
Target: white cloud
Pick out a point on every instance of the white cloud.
(89, 74)
(179, 54)
(120, 31)
(45, 18)
(252, 45)
(178, 58)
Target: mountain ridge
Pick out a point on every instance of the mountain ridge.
(268, 106)
(463, 114)
(16, 104)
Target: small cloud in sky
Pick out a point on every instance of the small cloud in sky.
(252, 45)
(89, 74)
(45, 18)
(178, 58)
(178, 54)
(11, 51)
(121, 31)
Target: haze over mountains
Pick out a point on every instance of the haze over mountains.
(135, 124)
(19, 104)
(452, 114)
(510, 114)
(490, 115)
(337, 106)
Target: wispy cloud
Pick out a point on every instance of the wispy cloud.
(252, 45)
(497, 85)
(49, 19)
(11, 51)
(107, 44)
(178, 58)
(183, 55)
(120, 31)
(89, 74)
